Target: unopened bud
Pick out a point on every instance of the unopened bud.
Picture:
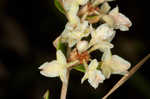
(82, 46)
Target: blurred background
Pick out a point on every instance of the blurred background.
(27, 29)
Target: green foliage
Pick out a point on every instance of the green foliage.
(79, 68)
(91, 17)
(61, 46)
(82, 69)
(59, 6)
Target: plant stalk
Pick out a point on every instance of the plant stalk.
(65, 87)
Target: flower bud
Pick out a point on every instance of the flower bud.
(82, 46)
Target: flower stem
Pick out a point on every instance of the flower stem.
(64, 87)
(127, 76)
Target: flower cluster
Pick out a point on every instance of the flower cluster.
(82, 38)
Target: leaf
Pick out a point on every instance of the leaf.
(61, 46)
(46, 95)
(82, 69)
(79, 68)
(59, 6)
(93, 19)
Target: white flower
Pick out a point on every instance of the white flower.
(113, 64)
(72, 8)
(105, 7)
(93, 75)
(102, 33)
(82, 46)
(74, 35)
(72, 13)
(56, 68)
(121, 21)
(101, 38)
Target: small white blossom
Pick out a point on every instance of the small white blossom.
(102, 33)
(93, 75)
(74, 35)
(101, 38)
(105, 7)
(82, 46)
(113, 64)
(56, 68)
(72, 8)
(72, 13)
(121, 21)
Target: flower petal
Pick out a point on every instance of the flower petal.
(72, 13)
(121, 21)
(114, 11)
(102, 46)
(72, 35)
(95, 78)
(122, 27)
(106, 56)
(105, 7)
(50, 69)
(82, 46)
(93, 65)
(102, 33)
(106, 70)
(82, 26)
(119, 64)
(109, 20)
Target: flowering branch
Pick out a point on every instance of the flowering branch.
(80, 38)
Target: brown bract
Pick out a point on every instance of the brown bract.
(94, 13)
(75, 55)
(88, 8)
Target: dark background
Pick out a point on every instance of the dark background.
(27, 29)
